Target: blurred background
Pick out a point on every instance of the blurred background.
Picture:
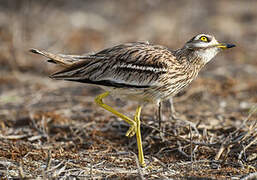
(219, 100)
(84, 26)
(77, 27)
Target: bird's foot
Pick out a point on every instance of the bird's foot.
(175, 116)
(132, 130)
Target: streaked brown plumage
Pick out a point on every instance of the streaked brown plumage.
(139, 71)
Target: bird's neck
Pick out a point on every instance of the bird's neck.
(189, 58)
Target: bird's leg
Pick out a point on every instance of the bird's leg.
(133, 125)
(159, 114)
(173, 113)
(138, 135)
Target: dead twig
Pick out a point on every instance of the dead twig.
(221, 149)
(246, 147)
(21, 171)
(181, 151)
(139, 170)
(250, 176)
(191, 147)
(49, 160)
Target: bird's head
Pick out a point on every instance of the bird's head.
(206, 46)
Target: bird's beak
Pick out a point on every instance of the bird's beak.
(225, 45)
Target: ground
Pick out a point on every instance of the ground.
(53, 129)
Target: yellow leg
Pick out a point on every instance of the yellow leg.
(138, 135)
(133, 126)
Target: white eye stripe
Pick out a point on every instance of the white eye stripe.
(200, 36)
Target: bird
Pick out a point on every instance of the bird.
(138, 71)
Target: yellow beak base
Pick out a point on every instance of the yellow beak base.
(225, 45)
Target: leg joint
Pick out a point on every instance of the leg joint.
(99, 99)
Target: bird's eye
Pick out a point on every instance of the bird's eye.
(204, 38)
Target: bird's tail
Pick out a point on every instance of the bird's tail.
(55, 58)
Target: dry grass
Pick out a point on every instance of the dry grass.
(53, 130)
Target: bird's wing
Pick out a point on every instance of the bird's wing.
(130, 65)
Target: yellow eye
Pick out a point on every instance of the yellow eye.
(204, 38)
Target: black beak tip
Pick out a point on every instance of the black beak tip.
(231, 45)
